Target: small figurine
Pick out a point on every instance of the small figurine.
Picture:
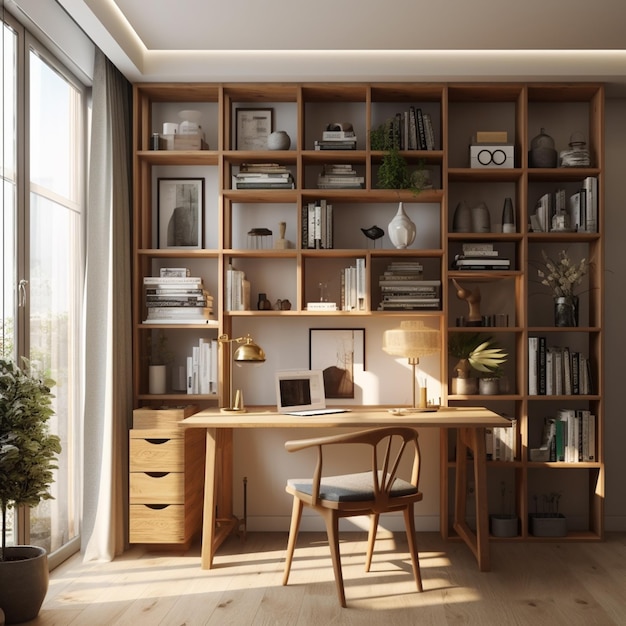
(373, 233)
(473, 300)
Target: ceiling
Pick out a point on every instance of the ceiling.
(358, 40)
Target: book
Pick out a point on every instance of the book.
(541, 367)
(533, 363)
(590, 186)
(321, 306)
(178, 272)
(430, 132)
(173, 280)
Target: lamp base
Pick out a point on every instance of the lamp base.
(232, 409)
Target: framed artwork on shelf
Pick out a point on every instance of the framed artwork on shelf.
(252, 128)
(180, 213)
(340, 354)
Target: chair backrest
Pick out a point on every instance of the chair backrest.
(388, 446)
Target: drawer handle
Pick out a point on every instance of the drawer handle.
(156, 474)
(157, 442)
(157, 507)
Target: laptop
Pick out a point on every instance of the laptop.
(301, 393)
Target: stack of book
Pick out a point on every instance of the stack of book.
(317, 225)
(569, 437)
(480, 256)
(263, 176)
(353, 287)
(403, 288)
(413, 130)
(557, 370)
(237, 296)
(581, 208)
(337, 137)
(202, 368)
(175, 297)
(339, 176)
(500, 441)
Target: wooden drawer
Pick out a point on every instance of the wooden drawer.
(152, 524)
(157, 488)
(156, 454)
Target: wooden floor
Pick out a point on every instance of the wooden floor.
(535, 584)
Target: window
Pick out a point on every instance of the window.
(43, 222)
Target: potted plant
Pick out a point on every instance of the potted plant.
(562, 276)
(489, 382)
(28, 456)
(505, 523)
(474, 352)
(394, 172)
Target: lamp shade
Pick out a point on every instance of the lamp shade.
(248, 351)
(412, 340)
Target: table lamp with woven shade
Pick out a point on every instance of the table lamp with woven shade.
(412, 340)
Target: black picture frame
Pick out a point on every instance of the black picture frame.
(340, 354)
(253, 127)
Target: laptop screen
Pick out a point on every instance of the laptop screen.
(299, 390)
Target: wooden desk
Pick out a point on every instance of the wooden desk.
(470, 422)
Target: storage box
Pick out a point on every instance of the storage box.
(548, 525)
(148, 417)
(504, 525)
(192, 141)
(498, 155)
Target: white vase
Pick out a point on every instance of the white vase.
(278, 140)
(401, 229)
(481, 220)
(157, 378)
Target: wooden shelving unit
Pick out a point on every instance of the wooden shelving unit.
(457, 111)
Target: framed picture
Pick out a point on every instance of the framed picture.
(340, 354)
(252, 128)
(180, 212)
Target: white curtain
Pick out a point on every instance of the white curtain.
(108, 335)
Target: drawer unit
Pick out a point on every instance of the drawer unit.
(157, 454)
(157, 487)
(157, 523)
(165, 485)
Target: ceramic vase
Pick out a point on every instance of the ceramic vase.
(401, 229)
(462, 218)
(481, 220)
(566, 311)
(278, 140)
(157, 379)
(508, 216)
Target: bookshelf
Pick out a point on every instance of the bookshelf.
(513, 299)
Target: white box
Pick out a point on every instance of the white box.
(498, 155)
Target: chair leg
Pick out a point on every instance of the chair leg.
(296, 515)
(371, 540)
(332, 530)
(409, 522)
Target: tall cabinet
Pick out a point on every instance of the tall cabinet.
(517, 306)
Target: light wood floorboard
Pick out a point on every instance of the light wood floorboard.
(529, 583)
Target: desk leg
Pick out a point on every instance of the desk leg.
(474, 439)
(210, 491)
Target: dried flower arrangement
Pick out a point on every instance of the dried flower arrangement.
(562, 275)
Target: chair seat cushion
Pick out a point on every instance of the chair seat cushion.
(349, 487)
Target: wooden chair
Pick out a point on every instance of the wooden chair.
(375, 491)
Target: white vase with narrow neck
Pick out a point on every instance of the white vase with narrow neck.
(401, 229)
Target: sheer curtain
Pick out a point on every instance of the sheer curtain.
(108, 338)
